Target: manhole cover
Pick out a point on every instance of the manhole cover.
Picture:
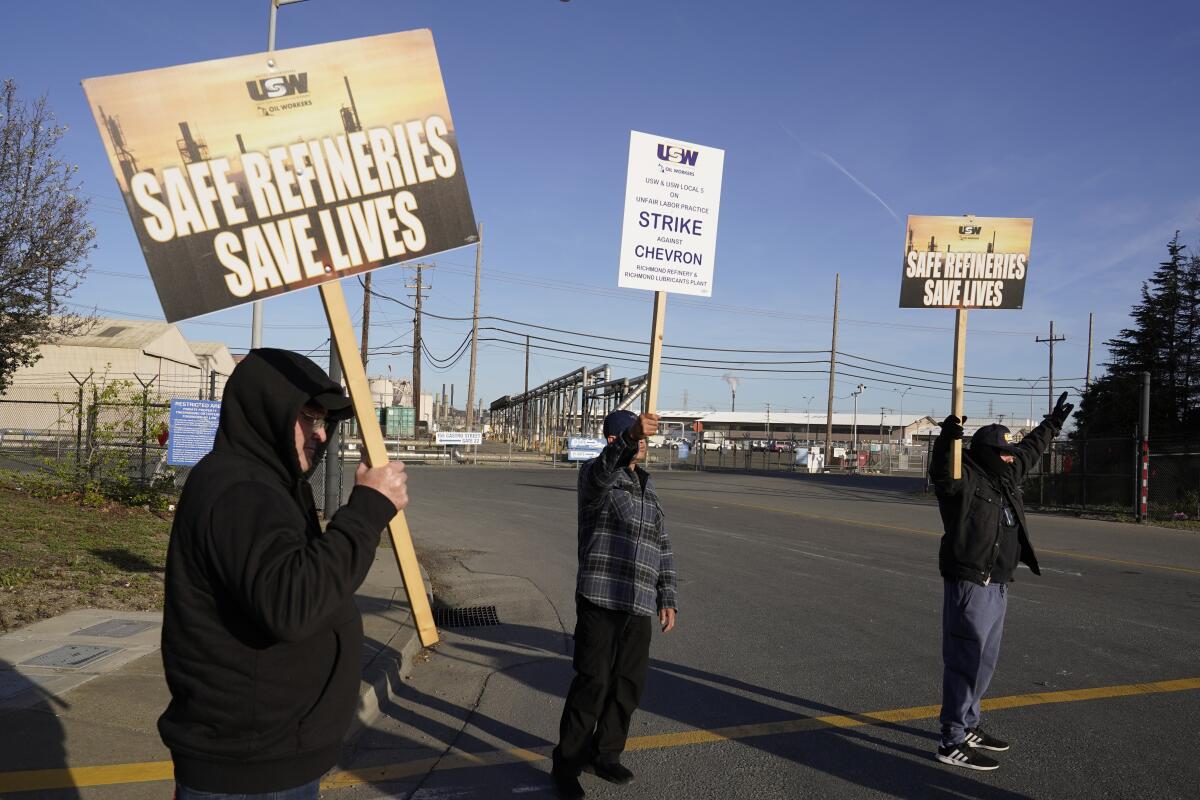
(116, 628)
(472, 617)
(71, 656)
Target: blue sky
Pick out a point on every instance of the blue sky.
(837, 120)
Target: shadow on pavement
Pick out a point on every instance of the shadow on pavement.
(33, 736)
(691, 698)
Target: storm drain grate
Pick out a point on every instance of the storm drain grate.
(116, 628)
(71, 656)
(471, 617)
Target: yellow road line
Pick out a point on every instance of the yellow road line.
(735, 732)
(923, 532)
(108, 775)
(80, 777)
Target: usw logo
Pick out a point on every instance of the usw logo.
(278, 86)
(669, 152)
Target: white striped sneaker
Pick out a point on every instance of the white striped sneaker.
(977, 738)
(962, 755)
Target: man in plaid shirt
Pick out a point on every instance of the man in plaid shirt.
(626, 576)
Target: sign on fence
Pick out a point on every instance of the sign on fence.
(459, 437)
(582, 448)
(256, 175)
(192, 429)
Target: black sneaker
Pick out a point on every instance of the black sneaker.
(611, 771)
(961, 755)
(568, 786)
(977, 738)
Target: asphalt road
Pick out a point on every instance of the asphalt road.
(803, 606)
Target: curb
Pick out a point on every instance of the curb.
(391, 663)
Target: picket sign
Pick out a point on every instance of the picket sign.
(346, 343)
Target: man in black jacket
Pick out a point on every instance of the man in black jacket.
(986, 535)
(261, 637)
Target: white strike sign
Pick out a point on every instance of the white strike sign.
(669, 234)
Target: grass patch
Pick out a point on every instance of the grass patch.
(57, 554)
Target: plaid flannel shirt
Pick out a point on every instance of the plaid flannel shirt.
(625, 558)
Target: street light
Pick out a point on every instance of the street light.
(854, 435)
(1032, 385)
(256, 308)
(903, 427)
(807, 402)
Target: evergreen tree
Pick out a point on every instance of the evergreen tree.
(1164, 340)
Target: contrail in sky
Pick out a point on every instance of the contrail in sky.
(833, 161)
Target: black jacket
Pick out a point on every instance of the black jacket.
(971, 506)
(261, 638)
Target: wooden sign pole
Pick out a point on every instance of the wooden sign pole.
(342, 334)
(656, 340)
(956, 400)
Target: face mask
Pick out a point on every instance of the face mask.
(988, 457)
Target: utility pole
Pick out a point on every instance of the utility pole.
(1143, 483)
(333, 458)
(1050, 385)
(837, 284)
(1087, 382)
(525, 404)
(366, 323)
(418, 287)
(474, 332)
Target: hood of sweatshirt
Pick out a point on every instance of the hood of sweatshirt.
(262, 400)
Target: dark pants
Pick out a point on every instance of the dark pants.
(612, 652)
(972, 622)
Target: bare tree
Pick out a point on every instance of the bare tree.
(44, 232)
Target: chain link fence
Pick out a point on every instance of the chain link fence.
(105, 435)
(1101, 476)
(719, 453)
(112, 431)
(1174, 486)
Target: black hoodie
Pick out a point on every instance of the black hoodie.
(971, 508)
(261, 637)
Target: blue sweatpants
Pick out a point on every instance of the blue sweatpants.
(972, 622)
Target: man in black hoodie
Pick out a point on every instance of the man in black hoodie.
(986, 535)
(261, 637)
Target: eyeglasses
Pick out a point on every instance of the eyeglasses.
(313, 419)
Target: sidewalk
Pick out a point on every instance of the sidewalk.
(85, 689)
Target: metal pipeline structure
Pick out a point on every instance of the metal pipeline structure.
(574, 404)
